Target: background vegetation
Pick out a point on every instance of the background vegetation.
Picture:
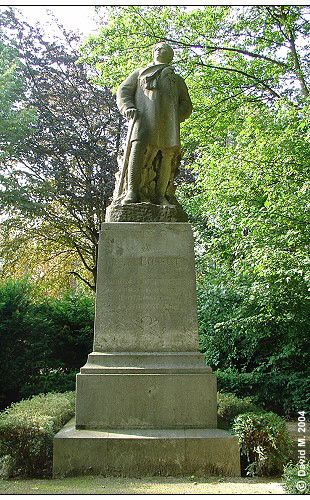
(27, 429)
(44, 340)
(244, 185)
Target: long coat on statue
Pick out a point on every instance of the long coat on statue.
(162, 100)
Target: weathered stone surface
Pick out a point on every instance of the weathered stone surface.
(154, 390)
(147, 400)
(141, 212)
(146, 294)
(145, 362)
(145, 452)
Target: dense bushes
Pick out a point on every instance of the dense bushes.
(255, 334)
(282, 393)
(264, 440)
(27, 429)
(265, 444)
(44, 341)
(229, 406)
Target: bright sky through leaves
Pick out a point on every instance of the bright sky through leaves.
(73, 17)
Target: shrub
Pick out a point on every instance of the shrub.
(281, 393)
(264, 440)
(229, 406)
(48, 339)
(253, 328)
(27, 429)
(294, 484)
(16, 334)
(6, 467)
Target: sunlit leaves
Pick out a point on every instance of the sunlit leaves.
(56, 186)
(16, 116)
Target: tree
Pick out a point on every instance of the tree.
(232, 51)
(16, 117)
(247, 142)
(57, 184)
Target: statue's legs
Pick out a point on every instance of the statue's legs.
(164, 175)
(135, 165)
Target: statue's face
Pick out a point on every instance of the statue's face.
(162, 53)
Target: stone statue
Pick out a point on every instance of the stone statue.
(154, 100)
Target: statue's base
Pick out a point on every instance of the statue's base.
(144, 212)
(145, 452)
(146, 401)
(146, 391)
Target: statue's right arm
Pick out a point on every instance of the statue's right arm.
(125, 95)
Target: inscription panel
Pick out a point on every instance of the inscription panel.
(146, 300)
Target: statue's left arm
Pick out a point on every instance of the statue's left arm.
(185, 103)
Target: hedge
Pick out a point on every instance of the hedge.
(27, 429)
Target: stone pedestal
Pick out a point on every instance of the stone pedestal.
(146, 295)
(141, 212)
(146, 401)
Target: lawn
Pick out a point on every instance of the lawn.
(147, 485)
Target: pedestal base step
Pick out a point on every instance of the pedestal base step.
(145, 452)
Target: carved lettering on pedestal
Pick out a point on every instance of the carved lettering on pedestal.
(154, 261)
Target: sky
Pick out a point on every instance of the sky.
(73, 17)
(81, 17)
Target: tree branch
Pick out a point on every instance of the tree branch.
(90, 269)
(227, 99)
(275, 18)
(247, 75)
(248, 53)
(215, 48)
(291, 39)
(92, 287)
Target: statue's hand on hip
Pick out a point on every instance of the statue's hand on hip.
(131, 113)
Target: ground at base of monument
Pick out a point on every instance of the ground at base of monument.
(145, 485)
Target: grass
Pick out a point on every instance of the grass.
(148, 485)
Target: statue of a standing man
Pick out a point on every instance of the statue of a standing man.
(154, 100)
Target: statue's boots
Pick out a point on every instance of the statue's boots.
(131, 197)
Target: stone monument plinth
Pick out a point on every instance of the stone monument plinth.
(146, 401)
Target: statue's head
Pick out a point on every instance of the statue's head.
(162, 53)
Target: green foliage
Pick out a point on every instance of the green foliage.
(247, 144)
(27, 429)
(229, 55)
(229, 406)
(44, 341)
(256, 338)
(293, 483)
(283, 393)
(264, 439)
(17, 117)
(57, 184)
(254, 272)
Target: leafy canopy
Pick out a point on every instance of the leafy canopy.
(56, 186)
